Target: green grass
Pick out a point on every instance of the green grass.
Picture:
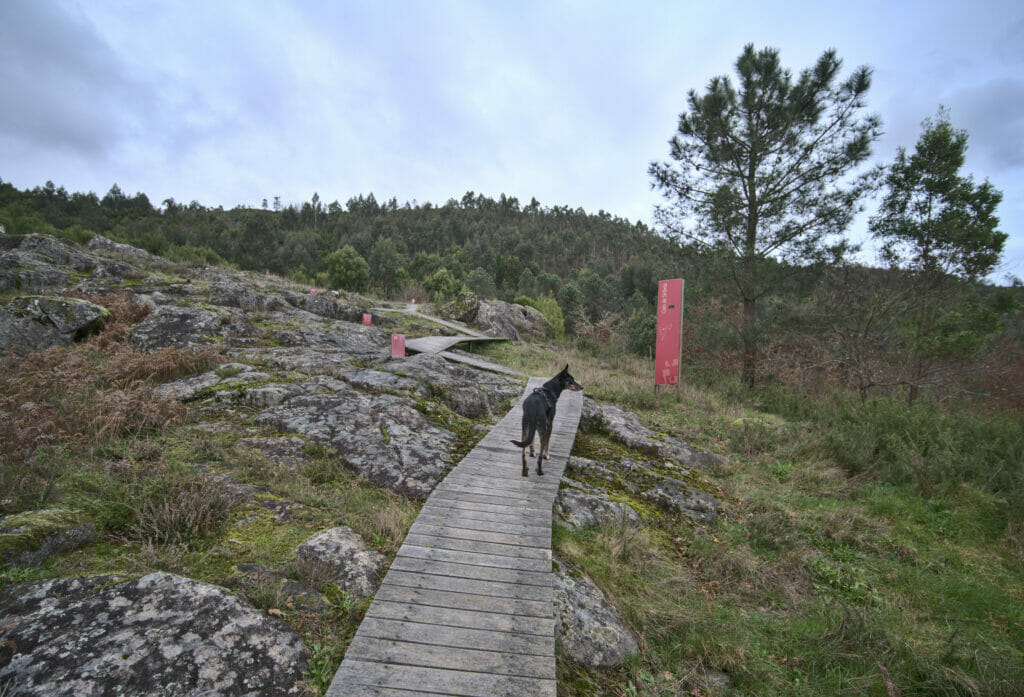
(860, 549)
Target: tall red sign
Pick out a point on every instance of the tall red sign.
(670, 319)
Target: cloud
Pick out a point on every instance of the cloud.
(63, 85)
(993, 115)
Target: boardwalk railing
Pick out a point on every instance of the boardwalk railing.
(466, 608)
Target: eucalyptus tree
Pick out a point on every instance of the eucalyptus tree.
(764, 169)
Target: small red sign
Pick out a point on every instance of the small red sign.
(367, 319)
(398, 345)
(670, 317)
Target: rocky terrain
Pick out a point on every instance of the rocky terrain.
(301, 385)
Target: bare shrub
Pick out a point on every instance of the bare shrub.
(185, 511)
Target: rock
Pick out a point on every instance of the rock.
(503, 319)
(289, 453)
(463, 309)
(102, 245)
(35, 322)
(324, 306)
(382, 437)
(643, 481)
(306, 330)
(626, 428)
(72, 317)
(170, 325)
(680, 497)
(225, 376)
(380, 382)
(339, 556)
(30, 538)
(466, 391)
(305, 361)
(160, 635)
(709, 681)
(237, 294)
(580, 509)
(23, 334)
(293, 593)
(588, 628)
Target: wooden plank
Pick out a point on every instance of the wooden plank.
(472, 571)
(402, 653)
(469, 517)
(464, 601)
(483, 511)
(496, 500)
(457, 545)
(469, 619)
(461, 533)
(443, 635)
(497, 589)
(461, 557)
(459, 683)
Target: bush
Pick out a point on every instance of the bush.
(347, 270)
(547, 306)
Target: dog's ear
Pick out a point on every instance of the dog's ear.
(566, 368)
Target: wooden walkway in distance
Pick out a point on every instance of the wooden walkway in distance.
(437, 344)
(467, 607)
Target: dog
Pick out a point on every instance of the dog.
(539, 414)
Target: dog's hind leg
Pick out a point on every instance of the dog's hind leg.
(545, 436)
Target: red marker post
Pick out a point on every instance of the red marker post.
(367, 319)
(398, 345)
(670, 324)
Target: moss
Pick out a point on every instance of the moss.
(25, 532)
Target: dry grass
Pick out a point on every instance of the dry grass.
(84, 394)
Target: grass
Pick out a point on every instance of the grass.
(860, 549)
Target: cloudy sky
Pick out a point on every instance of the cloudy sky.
(229, 102)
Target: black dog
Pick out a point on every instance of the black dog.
(539, 414)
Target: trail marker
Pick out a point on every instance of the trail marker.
(668, 344)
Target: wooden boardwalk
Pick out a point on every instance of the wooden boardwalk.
(437, 344)
(466, 607)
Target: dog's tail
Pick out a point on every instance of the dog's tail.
(529, 437)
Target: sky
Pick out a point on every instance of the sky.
(231, 102)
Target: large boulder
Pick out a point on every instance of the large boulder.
(160, 635)
(35, 322)
(339, 556)
(463, 308)
(626, 428)
(382, 437)
(106, 247)
(325, 306)
(171, 325)
(502, 319)
(588, 628)
(467, 391)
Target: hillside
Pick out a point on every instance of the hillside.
(222, 421)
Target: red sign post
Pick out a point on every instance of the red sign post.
(398, 345)
(670, 323)
(367, 319)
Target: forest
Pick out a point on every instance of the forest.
(831, 324)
